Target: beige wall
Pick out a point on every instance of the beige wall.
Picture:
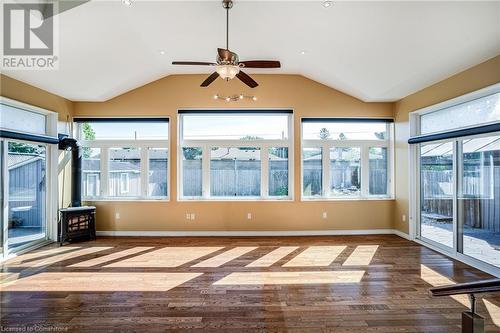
(306, 97)
(26, 93)
(477, 77)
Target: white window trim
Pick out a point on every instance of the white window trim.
(364, 145)
(143, 146)
(264, 145)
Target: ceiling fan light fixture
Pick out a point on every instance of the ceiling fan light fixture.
(227, 72)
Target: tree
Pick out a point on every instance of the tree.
(23, 148)
(191, 153)
(88, 135)
(380, 135)
(342, 136)
(324, 134)
(249, 138)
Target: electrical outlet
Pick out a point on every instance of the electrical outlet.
(325, 215)
(403, 218)
(188, 216)
(193, 216)
(117, 215)
(249, 216)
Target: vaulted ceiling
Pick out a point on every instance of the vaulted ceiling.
(375, 51)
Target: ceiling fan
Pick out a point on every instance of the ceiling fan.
(228, 64)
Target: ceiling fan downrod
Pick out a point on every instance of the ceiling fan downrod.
(227, 5)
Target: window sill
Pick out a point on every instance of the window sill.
(231, 199)
(126, 199)
(349, 199)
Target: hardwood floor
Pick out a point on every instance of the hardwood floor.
(270, 284)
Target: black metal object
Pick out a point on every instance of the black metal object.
(471, 321)
(76, 223)
(121, 120)
(76, 169)
(347, 120)
(233, 111)
(455, 134)
(28, 137)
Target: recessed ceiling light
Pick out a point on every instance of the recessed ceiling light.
(302, 52)
(327, 3)
(127, 3)
(162, 52)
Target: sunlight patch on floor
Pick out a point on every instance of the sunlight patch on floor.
(437, 280)
(42, 253)
(273, 256)
(329, 277)
(8, 276)
(63, 256)
(225, 257)
(316, 256)
(166, 257)
(361, 256)
(98, 282)
(494, 312)
(112, 256)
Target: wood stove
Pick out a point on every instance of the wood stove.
(75, 223)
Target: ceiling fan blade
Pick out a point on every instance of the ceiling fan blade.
(261, 64)
(210, 79)
(224, 54)
(194, 63)
(247, 79)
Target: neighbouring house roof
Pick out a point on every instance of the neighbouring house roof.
(224, 153)
(16, 160)
(130, 158)
(475, 145)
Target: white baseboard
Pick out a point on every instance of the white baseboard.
(401, 234)
(252, 233)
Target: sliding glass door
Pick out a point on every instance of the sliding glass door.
(436, 193)
(28, 147)
(459, 201)
(479, 199)
(456, 185)
(27, 201)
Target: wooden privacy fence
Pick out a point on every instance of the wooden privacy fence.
(242, 178)
(479, 202)
(27, 194)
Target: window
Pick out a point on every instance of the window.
(21, 120)
(91, 172)
(235, 172)
(235, 154)
(473, 111)
(456, 146)
(278, 171)
(346, 158)
(125, 158)
(158, 172)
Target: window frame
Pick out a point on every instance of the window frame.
(264, 145)
(142, 145)
(364, 146)
(469, 132)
